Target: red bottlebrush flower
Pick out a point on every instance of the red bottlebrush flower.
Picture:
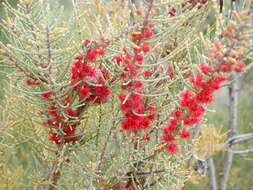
(171, 74)
(177, 113)
(148, 34)
(71, 114)
(139, 59)
(197, 110)
(79, 58)
(218, 80)
(147, 138)
(84, 93)
(185, 134)
(145, 48)
(226, 68)
(205, 97)
(168, 138)
(122, 97)
(172, 148)
(102, 93)
(86, 43)
(172, 12)
(132, 69)
(69, 134)
(89, 71)
(147, 74)
(205, 69)
(151, 116)
(46, 95)
(186, 98)
(132, 124)
(171, 127)
(53, 111)
(198, 81)
(191, 121)
(106, 75)
(55, 138)
(118, 59)
(137, 85)
(101, 52)
(92, 55)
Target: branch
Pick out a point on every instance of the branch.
(233, 95)
(212, 174)
(23, 70)
(240, 151)
(239, 139)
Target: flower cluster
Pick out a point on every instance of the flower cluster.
(59, 120)
(192, 105)
(137, 114)
(88, 80)
(204, 85)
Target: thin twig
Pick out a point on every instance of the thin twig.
(212, 174)
(240, 151)
(239, 139)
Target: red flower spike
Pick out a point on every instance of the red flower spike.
(172, 148)
(171, 74)
(145, 48)
(148, 74)
(147, 138)
(106, 75)
(168, 138)
(86, 43)
(191, 121)
(185, 134)
(118, 59)
(205, 69)
(177, 113)
(84, 93)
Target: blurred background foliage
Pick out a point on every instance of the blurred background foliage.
(19, 154)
